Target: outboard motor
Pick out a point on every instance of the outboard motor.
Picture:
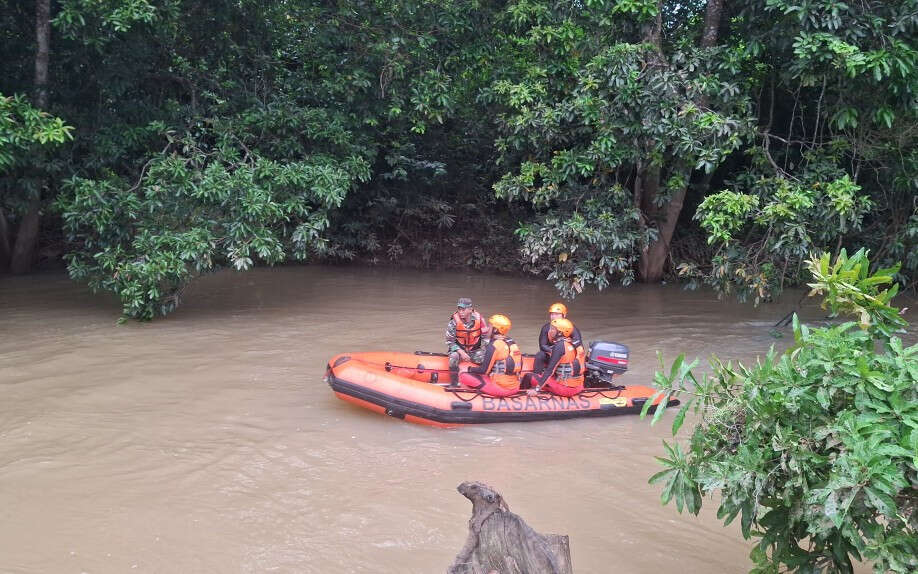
(605, 360)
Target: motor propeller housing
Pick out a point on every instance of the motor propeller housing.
(606, 359)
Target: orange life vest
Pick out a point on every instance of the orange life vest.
(569, 371)
(505, 364)
(468, 337)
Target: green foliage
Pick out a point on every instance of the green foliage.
(585, 126)
(588, 111)
(424, 231)
(643, 9)
(725, 213)
(195, 210)
(849, 289)
(595, 244)
(22, 127)
(835, 164)
(782, 221)
(816, 449)
(95, 22)
(277, 130)
(28, 136)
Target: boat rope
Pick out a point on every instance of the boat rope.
(592, 392)
(477, 393)
(422, 369)
(586, 393)
(473, 392)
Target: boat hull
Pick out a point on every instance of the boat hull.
(413, 387)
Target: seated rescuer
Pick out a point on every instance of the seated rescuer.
(498, 373)
(556, 311)
(466, 337)
(564, 373)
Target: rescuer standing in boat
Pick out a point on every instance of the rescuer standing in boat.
(555, 311)
(564, 374)
(466, 337)
(498, 374)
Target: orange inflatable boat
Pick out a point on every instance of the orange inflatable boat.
(414, 387)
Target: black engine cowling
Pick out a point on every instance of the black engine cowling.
(604, 361)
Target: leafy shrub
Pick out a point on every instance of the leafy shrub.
(815, 449)
(765, 234)
(195, 210)
(23, 126)
(593, 246)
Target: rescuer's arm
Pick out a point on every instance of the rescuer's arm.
(544, 344)
(482, 369)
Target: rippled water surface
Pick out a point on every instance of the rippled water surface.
(207, 442)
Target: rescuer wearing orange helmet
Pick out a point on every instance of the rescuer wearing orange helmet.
(498, 373)
(555, 311)
(466, 337)
(564, 373)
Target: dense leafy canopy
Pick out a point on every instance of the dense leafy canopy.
(559, 137)
(835, 157)
(816, 449)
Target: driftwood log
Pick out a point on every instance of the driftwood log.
(500, 542)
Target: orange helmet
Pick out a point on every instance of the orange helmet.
(558, 308)
(563, 326)
(501, 323)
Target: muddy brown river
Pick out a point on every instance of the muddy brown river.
(207, 442)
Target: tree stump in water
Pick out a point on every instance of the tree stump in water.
(500, 542)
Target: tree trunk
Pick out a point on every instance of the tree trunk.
(4, 242)
(43, 40)
(27, 234)
(26, 238)
(654, 34)
(650, 186)
(654, 256)
(711, 23)
(500, 541)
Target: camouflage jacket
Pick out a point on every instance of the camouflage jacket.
(452, 344)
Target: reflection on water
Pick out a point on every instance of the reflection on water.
(207, 442)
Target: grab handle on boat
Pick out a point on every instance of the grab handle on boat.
(429, 354)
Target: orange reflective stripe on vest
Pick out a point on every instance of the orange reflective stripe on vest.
(468, 337)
